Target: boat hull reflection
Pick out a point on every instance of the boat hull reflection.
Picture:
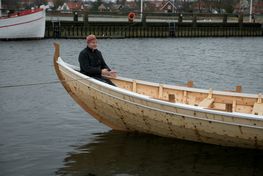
(120, 153)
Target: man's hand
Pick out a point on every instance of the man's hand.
(106, 72)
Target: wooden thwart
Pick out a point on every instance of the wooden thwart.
(207, 102)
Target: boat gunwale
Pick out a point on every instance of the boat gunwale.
(72, 68)
(182, 88)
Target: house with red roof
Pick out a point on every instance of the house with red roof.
(71, 6)
(168, 7)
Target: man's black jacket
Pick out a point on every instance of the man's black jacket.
(91, 62)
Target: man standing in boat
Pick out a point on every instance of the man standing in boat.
(92, 63)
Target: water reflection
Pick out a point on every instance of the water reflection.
(123, 154)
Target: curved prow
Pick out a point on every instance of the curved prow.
(56, 56)
(66, 81)
(55, 62)
(57, 51)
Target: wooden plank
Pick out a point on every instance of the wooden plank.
(220, 106)
(206, 103)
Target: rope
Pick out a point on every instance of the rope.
(39, 83)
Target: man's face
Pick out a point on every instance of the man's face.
(93, 44)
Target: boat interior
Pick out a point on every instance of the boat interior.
(227, 101)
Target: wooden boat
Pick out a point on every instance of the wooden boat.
(23, 25)
(214, 117)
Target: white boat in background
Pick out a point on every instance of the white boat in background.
(24, 24)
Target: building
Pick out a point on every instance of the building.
(71, 6)
(102, 8)
(168, 7)
(163, 6)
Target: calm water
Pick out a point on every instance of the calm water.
(43, 132)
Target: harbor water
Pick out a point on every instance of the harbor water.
(44, 132)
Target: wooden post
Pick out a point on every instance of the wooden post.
(100, 30)
(194, 20)
(73, 30)
(68, 31)
(143, 20)
(190, 83)
(239, 89)
(82, 30)
(86, 18)
(259, 98)
(225, 19)
(134, 31)
(240, 19)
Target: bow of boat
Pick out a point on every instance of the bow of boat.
(67, 81)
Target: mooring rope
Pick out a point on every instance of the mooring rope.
(39, 83)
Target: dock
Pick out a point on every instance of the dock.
(79, 25)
